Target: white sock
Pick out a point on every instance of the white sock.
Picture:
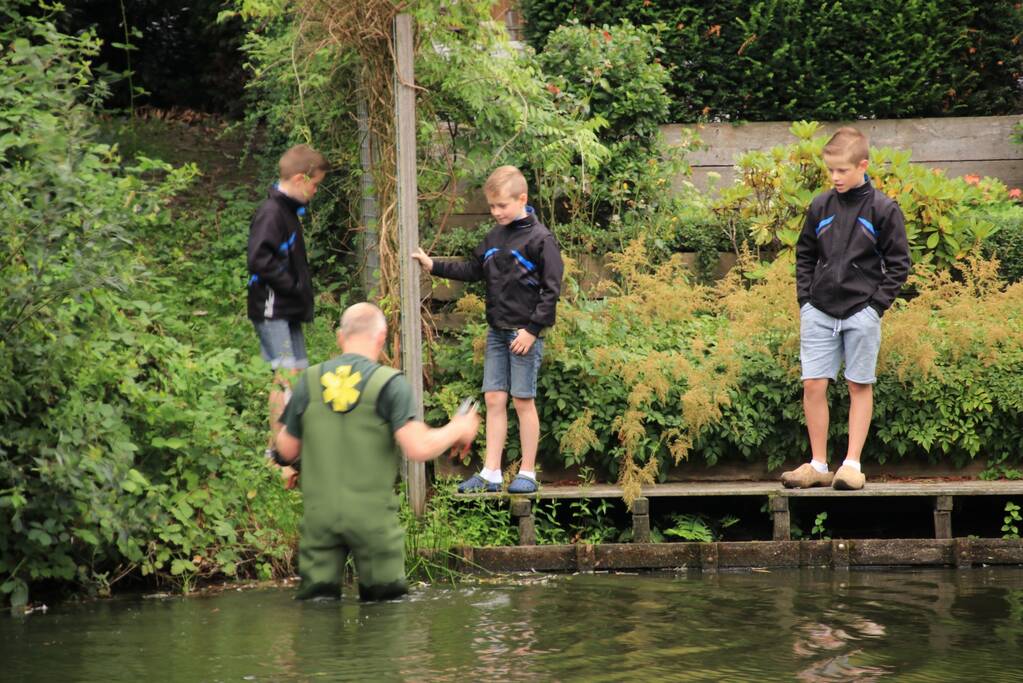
(821, 467)
(528, 473)
(851, 463)
(493, 476)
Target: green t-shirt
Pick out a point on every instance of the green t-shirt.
(394, 405)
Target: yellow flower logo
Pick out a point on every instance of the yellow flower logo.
(339, 388)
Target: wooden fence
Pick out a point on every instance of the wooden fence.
(978, 145)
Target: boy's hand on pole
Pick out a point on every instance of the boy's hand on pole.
(522, 343)
(425, 261)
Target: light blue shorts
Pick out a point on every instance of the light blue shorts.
(824, 342)
(282, 343)
(507, 371)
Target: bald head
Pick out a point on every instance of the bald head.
(362, 319)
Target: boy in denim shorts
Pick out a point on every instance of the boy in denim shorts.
(852, 258)
(280, 294)
(521, 263)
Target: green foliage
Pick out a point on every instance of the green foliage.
(1011, 521)
(450, 523)
(613, 74)
(1006, 241)
(820, 529)
(132, 421)
(771, 60)
(947, 219)
(698, 527)
(664, 369)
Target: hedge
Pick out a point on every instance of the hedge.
(790, 59)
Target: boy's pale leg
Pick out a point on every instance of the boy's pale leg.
(280, 393)
(861, 407)
(815, 407)
(529, 431)
(497, 427)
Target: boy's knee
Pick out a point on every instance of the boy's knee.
(858, 388)
(815, 388)
(524, 403)
(495, 400)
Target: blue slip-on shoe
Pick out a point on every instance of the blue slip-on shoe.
(523, 484)
(477, 484)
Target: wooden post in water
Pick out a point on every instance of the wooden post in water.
(408, 239)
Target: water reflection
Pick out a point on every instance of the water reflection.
(802, 625)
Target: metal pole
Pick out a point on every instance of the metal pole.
(408, 238)
(369, 247)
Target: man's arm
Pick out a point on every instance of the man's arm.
(420, 442)
(288, 446)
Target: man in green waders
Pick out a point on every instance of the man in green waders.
(347, 418)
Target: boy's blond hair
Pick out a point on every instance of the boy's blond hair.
(301, 160)
(506, 180)
(849, 144)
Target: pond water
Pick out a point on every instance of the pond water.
(782, 625)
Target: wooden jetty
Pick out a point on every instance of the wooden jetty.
(781, 551)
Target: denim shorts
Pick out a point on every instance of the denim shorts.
(282, 343)
(824, 342)
(507, 371)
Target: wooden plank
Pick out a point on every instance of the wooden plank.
(408, 240)
(770, 488)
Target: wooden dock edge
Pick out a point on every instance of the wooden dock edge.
(837, 554)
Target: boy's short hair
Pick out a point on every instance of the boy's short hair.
(848, 143)
(508, 180)
(301, 160)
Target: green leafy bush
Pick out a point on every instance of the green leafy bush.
(779, 59)
(664, 369)
(947, 219)
(132, 422)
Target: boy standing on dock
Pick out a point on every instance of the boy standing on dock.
(852, 258)
(521, 263)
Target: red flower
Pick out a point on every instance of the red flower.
(1016, 193)
(607, 36)
(553, 89)
(971, 179)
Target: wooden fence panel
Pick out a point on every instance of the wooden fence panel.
(960, 145)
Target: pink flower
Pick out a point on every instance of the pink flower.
(971, 179)
(1016, 193)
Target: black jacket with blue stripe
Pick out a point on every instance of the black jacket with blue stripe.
(521, 264)
(852, 252)
(280, 287)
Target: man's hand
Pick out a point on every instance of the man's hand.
(425, 261)
(467, 425)
(290, 476)
(522, 343)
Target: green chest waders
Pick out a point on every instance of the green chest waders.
(349, 466)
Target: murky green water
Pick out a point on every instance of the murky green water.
(803, 625)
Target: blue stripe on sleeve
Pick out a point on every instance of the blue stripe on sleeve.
(868, 225)
(527, 264)
(824, 223)
(490, 252)
(287, 244)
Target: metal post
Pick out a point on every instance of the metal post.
(408, 237)
(369, 246)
